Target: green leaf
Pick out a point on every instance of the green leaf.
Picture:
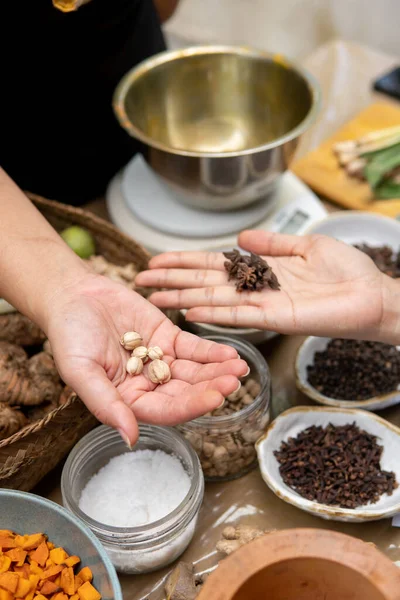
(387, 190)
(381, 164)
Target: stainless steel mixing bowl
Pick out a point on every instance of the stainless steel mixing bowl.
(219, 123)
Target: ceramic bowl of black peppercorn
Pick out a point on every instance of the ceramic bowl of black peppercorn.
(349, 373)
(337, 464)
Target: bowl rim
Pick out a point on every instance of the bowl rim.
(373, 403)
(134, 74)
(222, 330)
(350, 215)
(74, 520)
(364, 513)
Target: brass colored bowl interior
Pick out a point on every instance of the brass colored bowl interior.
(215, 100)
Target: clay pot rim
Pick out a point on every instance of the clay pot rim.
(280, 546)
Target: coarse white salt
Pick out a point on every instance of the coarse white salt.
(135, 488)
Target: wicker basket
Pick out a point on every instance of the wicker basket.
(27, 456)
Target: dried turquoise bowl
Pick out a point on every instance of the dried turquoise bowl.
(26, 513)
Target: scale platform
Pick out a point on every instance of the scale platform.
(143, 207)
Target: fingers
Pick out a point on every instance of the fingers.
(183, 402)
(214, 296)
(235, 316)
(181, 278)
(103, 400)
(191, 372)
(268, 243)
(196, 349)
(188, 260)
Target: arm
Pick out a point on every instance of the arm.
(84, 317)
(327, 289)
(34, 260)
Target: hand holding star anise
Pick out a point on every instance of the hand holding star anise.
(250, 271)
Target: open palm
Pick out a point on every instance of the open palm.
(84, 330)
(327, 287)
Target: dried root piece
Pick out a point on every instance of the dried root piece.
(181, 584)
(18, 329)
(27, 382)
(42, 365)
(235, 537)
(11, 421)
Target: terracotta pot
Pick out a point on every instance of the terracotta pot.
(304, 564)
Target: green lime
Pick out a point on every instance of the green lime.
(80, 240)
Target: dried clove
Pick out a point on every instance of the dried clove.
(355, 370)
(335, 465)
(384, 258)
(250, 271)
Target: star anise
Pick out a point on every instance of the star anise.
(251, 272)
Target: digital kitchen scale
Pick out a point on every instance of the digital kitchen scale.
(145, 208)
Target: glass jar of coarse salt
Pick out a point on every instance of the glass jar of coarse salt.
(154, 544)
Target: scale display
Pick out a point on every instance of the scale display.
(293, 208)
(295, 222)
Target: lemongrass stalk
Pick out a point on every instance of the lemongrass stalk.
(378, 145)
(379, 134)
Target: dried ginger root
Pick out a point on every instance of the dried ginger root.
(18, 329)
(235, 537)
(11, 421)
(181, 583)
(27, 382)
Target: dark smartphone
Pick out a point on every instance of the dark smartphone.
(389, 83)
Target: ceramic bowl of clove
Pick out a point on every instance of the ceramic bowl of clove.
(358, 227)
(349, 373)
(337, 464)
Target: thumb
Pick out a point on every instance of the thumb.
(269, 243)
(104, 402)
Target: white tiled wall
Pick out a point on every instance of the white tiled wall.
(292, 27)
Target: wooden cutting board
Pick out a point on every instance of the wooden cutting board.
(320, 170)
